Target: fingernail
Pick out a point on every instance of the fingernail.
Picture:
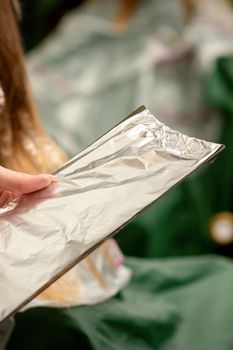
(46, 179)
(53, 178)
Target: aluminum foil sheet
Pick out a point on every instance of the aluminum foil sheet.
(96, 278)
(45, 233)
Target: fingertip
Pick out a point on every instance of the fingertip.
(53, 179)
(45, 179)
(49, 178)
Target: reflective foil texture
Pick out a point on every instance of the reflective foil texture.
(96, 278)
(98, 191)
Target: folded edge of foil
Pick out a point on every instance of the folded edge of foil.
(209, 157)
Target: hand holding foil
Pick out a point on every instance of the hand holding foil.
(13, 184)
(99, 191)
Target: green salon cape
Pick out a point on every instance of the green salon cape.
(179, 303)
(172, 303)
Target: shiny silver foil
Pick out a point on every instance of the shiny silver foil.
(99, 191)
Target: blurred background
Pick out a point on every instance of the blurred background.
(91, 63)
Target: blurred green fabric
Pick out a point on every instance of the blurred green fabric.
(79, 101)
(170, 304)
(175, 304)
(179, 303)
(183, 215)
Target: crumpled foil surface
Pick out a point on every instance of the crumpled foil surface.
(99, 191)
(96, 278)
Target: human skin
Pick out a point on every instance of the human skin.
(13, 183)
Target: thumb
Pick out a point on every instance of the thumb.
(23, 183)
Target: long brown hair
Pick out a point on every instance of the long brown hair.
(24, 145)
